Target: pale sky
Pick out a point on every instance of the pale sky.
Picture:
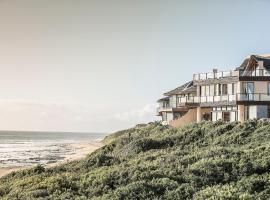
(97, 65)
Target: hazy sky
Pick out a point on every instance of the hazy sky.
(96, 65)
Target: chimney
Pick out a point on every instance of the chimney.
(215, 70)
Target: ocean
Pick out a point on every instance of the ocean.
(20, 149)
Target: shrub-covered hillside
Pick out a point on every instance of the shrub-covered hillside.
(200, 161)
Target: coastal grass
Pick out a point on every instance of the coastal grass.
(208, 160)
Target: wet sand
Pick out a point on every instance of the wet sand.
(80, 152)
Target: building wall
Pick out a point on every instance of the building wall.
(164, 116)
(252, 112)
(189, 117)
(169, 116)
(259, 86)
(233, 116)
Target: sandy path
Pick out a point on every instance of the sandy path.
(80, 151)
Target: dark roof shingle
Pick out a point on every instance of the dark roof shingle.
(256, 58)
(185, 88)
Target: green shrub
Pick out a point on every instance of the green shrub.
(209, 160)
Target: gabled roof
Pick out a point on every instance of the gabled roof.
(266, 60)
(243, 65)
(254, 59)
(164, 99)
(185, 88)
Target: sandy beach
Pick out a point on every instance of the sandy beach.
(80, 151)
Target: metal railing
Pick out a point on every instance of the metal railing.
(218, 98)
(253, 97)
(257, 72)
(161, 108)
(215, 75)
(222, 74)
(228, 98)
(206, 99)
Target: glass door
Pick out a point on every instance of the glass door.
(250, 91)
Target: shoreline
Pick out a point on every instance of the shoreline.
(82, 149)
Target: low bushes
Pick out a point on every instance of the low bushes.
(209, 160)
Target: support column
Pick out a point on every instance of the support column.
(241, 113)
(199, 114)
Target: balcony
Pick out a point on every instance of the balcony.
(164, 109)
(215, 75)
(239, 97)
(255, 97)
(207, 99)
(257, 72)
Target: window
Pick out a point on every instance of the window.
(250, 87)
(268, 88)
(206, 116)
(224, 89)
(226, 116)
(233, 88)
(219, 89)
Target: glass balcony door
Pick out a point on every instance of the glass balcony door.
(250, 90)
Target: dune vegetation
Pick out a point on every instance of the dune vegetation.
(209, 160)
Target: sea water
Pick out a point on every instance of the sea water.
(30, 148)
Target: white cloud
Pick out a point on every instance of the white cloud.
(48, 116)
(139, 113)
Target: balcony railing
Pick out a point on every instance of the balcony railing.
(218, 98)
(222, 74)
(253, 97)
(228, 98)
(214, 75)
(257, 72)
(162, 108)
(206, 99)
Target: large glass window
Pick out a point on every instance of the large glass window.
(224, 89)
